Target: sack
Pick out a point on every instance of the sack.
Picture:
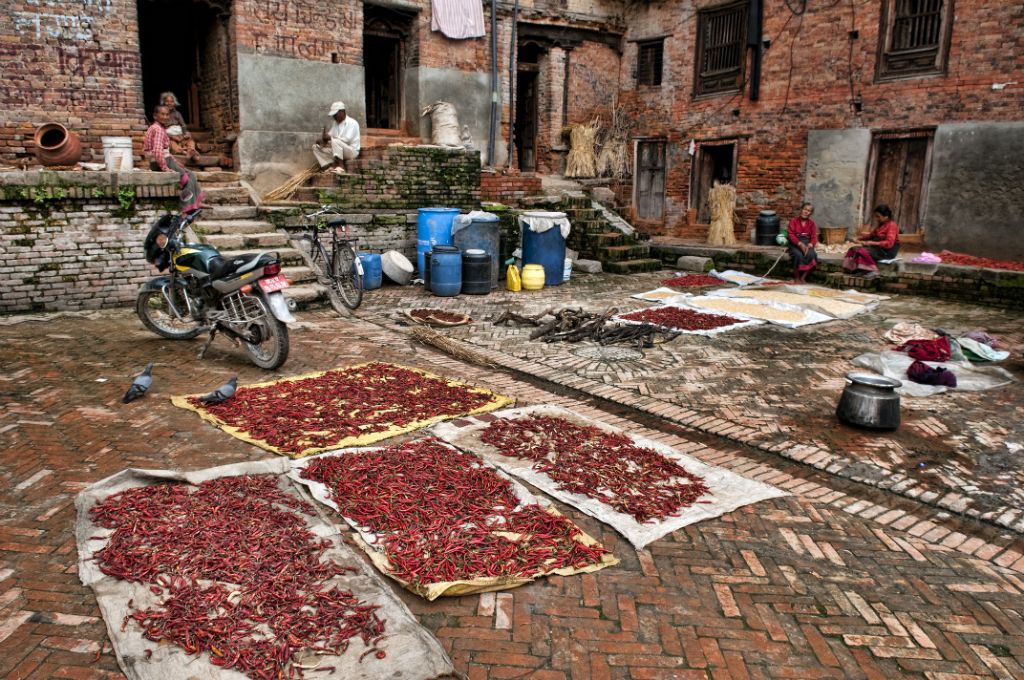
(512, 280)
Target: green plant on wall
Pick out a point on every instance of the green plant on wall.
(125, 200)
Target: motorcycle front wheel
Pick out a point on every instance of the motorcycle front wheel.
(272, 350)
(157, 316)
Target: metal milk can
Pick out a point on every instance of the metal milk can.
(870, 401)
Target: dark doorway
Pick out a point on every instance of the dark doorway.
(712, 162)
(899, 169)
(384, 38)
(526, 120)
(650, 180)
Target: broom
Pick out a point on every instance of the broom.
(429, 336)
(283, 192)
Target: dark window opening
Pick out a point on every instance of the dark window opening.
(526, 120)
(721, 49)
(712, 163)
(649, 62)
(915, 37)
(384, 55)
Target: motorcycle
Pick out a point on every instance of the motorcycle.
(239, 296)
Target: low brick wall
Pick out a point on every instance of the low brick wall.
(73, 240)
(507, 187)
(992, 287)
(377, 230)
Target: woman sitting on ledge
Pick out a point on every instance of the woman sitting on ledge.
(802, 234)
(881, 243)
(182, 143)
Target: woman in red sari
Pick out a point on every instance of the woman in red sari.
(802, 234)
(881, 243)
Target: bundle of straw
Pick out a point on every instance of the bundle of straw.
(581, 161)
(284, 192)
(613, 160)
(429, 336)
(722, 201)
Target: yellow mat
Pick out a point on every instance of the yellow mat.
(342, 407)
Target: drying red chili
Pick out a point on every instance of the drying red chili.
(246, 579)
(294, 416)
(680, 318)
(441, 515)
(692, 281)
(606, 466)
(950, 257)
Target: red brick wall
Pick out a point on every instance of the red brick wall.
(508, 187)
(73, 62)
(807, 77)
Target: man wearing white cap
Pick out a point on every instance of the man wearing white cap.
(341, 143)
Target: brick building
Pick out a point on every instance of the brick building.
(913, 103)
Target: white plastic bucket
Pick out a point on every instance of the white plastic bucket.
(567, 271)
(117, 153)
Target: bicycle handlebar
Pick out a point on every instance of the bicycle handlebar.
(324, 209)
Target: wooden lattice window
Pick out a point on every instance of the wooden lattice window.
(914, 37)
(649, 62)
(721, 49)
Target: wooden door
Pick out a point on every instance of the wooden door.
(382, 70)
(899, 180)
(526, 118)
(650, 180)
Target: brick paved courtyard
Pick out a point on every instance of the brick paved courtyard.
(776, 388)
(838, 580)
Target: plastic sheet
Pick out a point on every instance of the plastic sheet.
(968, 377)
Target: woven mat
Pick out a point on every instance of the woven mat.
(351, 406)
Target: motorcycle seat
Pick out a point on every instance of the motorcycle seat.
(221, 267)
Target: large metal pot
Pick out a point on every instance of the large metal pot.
(870, 401)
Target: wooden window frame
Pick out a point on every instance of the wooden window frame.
(900, 64)
(702, 86)
(650, 77)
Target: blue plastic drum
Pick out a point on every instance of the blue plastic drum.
(445, 271)
(373, 275)
(546, 248)
(433, 227)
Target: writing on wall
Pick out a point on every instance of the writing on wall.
(321, 16)
(94, 61)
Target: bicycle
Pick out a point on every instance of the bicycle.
(342, 266)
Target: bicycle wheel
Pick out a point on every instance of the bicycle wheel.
(347, 279)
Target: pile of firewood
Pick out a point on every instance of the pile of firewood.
(575, 325)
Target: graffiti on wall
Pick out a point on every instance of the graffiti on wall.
(301, 13)
(60, 18)
(94, 61)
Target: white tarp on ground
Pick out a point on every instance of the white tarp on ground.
(412, 651)
(728, 490)
(740, 323)
(968, 376)
(737, 277)
(776, 313)
(659, 294)
(837, 309)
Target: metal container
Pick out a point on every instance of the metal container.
(870, 401)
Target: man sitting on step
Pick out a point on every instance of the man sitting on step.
(341, 143)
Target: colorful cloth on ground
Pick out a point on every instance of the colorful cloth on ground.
(927, 350)
(979, 351)
(982, 337)
(904, 331)
(924, 374)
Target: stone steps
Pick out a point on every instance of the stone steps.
(228, 226)
(230, 212)
(226, 195)
(632, 266)
(623, 253)
(259, 241)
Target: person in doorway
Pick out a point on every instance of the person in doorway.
(340, 143)
(880, 243)
(802, 234)
(157, 147)
(182, 143)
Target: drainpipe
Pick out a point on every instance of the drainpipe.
(493, 128)
(512, 82)
(755, 38)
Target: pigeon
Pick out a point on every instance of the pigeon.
(222, 393)
(140, 385)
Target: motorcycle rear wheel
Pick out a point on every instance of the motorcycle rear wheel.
(272, 351)
(156, 315)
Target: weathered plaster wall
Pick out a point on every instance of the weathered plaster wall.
(837, 165)
(976, 192)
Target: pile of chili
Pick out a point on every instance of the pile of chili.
(245, 579)
(681, 319)
(441, 515)
(950, 257)
(692, 281)
(606, 466)
(318, 412)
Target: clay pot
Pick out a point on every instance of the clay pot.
(56, 145)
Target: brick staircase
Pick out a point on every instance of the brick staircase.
(595, 236)
(232, 225)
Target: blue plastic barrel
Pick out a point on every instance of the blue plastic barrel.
(445, 271)
(546, 248)
(433, 227)
(482, 233)
(373, 275)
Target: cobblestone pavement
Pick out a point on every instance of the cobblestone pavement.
(776, 388)
(836, 581)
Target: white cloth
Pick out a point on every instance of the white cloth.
(539, 221)
(458, 19)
